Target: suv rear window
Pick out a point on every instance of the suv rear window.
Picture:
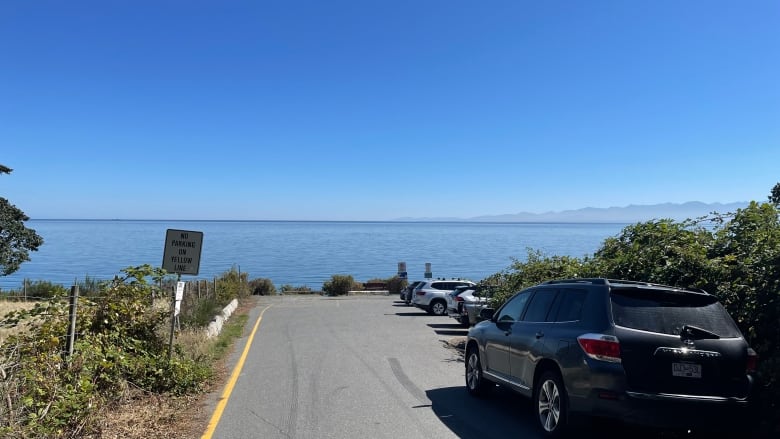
(666, 312)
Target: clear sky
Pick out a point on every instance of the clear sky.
(372, 110)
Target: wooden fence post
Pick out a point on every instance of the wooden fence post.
(71, 336)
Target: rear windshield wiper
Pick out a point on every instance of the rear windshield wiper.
(694, 332)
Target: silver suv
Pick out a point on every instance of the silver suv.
(430, 295)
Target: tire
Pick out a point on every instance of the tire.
(551, 404)
(476, 383)
(438, 308)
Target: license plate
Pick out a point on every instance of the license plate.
(688, 370)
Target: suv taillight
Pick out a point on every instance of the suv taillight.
(420, 293)
(601, 347)
(752, 361)
(459, 299)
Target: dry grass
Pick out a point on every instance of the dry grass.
(194, 343)
(9, 306)
(149, 416)
(143, 415)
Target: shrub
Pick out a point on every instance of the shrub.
(200, 312)
(395, 284)
(41, 289)
(90, 286)
(338, 285)
(122, 340)
(537, 268)
(262, 287)
(231, 285)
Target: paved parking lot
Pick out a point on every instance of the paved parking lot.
(359, 367)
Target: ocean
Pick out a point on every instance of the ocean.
(302, 253)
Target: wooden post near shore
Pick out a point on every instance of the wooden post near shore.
(71, 336)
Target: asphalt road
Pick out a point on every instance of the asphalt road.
(360, 367)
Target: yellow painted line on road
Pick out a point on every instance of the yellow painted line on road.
(232, 381)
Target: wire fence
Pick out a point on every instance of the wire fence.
(38, 301)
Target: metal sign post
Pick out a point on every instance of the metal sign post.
(181, 256)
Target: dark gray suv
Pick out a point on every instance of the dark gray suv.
(644, 353)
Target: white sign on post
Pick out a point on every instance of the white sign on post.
(182, 251)
(179, 297)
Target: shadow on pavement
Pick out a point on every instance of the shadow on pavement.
(452, 332)
(447, 326)
(500, 415)
(503, 414)
(411, 314)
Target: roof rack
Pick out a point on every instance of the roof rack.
(606, 281)
(583, 280)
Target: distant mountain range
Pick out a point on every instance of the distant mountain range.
(628, 214)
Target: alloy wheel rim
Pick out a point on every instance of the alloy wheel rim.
(473, 371)
(549, 405)
(438, 308)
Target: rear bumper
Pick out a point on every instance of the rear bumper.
(667, 410)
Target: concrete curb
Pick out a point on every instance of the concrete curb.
(215, 327)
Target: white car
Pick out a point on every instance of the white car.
(431, 295)
(469, 304)
(455, 300)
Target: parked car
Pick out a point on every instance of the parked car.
(473, 303)
(406, 293)
(430, 295)
(455, 299)
(644, 353)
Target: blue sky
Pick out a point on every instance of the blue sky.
(372, 110)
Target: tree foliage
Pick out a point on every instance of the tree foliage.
(735, 256)
(536, 268)
(661, 251)
(16, 240)
(774, 195)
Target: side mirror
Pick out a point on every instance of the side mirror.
(486, 313)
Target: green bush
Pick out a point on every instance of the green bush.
(41, 289)
(200, 312)
(262, 287)
(232, 285)
(338, 285)
(90, 286)
(537, 268)
(122, 341)
(395, 284)
(735, 256)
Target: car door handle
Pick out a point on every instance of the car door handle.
(539, 334)
(508, 332)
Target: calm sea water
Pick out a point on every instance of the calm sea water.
(301, 253)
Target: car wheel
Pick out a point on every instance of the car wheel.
(438, 308)
(551, 404)
(476, 383)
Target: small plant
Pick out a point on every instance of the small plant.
(262, 287)
(339, 285)
(395, 284)
(230, 285)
